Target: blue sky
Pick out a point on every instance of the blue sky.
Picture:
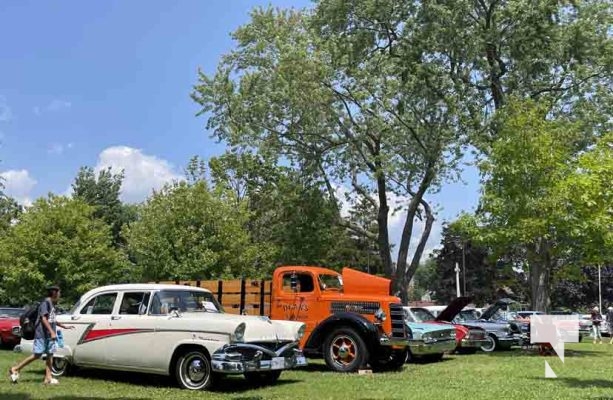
(107, 83)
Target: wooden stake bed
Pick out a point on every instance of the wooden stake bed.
(239, 296)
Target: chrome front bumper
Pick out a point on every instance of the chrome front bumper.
(421, 348)
(231, 360)
(474, 343)
(385, 340)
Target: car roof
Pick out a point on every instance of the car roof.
(144, 286)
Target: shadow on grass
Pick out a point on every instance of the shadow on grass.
(583, 383)
(227, 384)
(24, 396)
(238, 384)
(534, 353)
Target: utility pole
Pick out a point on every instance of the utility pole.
(464, 268)
(599, 292)
(457, 279)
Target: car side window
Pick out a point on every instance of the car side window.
(101, 304)
(304, 282)
(134, 303)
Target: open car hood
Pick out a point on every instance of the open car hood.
(453, 309)
(491, 310)
(356, 282)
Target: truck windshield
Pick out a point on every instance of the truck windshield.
(165, 301)
(331, 282)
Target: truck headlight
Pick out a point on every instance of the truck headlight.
(380, 315)
(301, 331)
(239, 333)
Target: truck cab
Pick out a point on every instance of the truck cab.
(351, 320)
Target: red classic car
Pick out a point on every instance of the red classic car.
(469, 338)
(9, 326)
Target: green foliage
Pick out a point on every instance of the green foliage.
(289, 211)
(10, 211)
(102, 192)
(588, 193)
(58, 241)
(187, 231)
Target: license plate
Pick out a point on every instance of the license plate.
(278, 363)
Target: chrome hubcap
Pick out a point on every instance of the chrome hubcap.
(195, 370)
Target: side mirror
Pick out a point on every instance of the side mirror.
(293, 282)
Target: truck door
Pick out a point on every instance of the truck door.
(295, 298)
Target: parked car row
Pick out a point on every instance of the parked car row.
(181, 329)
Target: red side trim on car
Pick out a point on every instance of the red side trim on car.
(97, 334)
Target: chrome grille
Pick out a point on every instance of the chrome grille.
(358, 307)
(397, 320)
(443, 334)
(476, 334)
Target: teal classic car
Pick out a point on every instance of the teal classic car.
(428, 341)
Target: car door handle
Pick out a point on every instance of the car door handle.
(75, 317)
(115, 317)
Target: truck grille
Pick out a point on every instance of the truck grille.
(358, 307)
(397, 320)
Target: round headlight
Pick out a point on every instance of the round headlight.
(380, 315)
(301, 331)
(239, 332)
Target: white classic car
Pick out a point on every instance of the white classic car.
(173, 330)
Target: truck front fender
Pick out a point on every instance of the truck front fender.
(366, 329)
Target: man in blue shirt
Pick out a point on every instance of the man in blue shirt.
(45, 337)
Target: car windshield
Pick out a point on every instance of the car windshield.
(165, 301)
(468, 315)
(420, 315)
(10, 312)
(331, 282)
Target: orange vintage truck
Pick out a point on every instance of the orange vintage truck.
(352, 321)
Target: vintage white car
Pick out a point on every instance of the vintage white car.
(173, 330)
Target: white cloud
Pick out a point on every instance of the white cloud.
(54, 105)
(58, 148)
(5, 111)
(19, 184)
(143, 172)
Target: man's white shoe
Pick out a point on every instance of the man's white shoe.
(52, 381)
(14, 376)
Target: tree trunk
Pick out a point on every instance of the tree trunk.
(403, 274)
(383, 234)
(540, 277)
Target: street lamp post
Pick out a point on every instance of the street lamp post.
(457, 279)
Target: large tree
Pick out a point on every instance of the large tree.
(382, 126)
(102, 191)
(58, 241)
(523, 204)
(188, 231)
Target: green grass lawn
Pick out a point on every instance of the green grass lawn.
(517, 374)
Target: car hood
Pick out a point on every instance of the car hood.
(9, 321)
(260, 329)
(357, 282)
(427, 327)
(487, 325)
(453, 309)
(491, 310)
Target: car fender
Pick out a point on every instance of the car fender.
(368, 330)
